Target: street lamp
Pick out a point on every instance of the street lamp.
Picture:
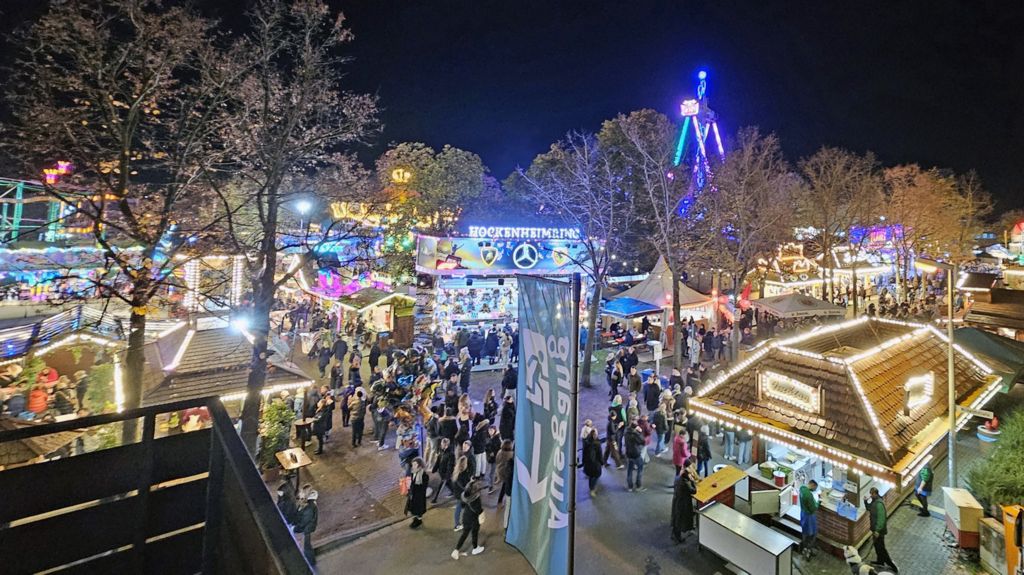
(303, 207)
(931, 266)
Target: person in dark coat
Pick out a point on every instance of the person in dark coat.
(652, 393)
(320, 418)
(704, 453)
(465, 373)
(878, 519)
(286, 502)
(592, 462)
(306, 523)
(416, 504)
(374, 355)
(491, 346)
(514, 356)
(323, 361)
(509, 380)
(340, 350)
(473, 508)
(443, 467)
(682, 502)
(507, 426)
(475, 346)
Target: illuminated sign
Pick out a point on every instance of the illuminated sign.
(507, 233)
(918, 391)
(689, 107)
(477, 256)
(783, 388)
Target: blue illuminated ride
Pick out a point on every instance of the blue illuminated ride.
(704, 122)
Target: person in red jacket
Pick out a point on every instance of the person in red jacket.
(37, 400)
(680, 448)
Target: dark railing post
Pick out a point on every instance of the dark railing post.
(145, 482)
(214, 505)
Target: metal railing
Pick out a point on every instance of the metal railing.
(179, 503)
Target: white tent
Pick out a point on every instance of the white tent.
(793, 305)
(657, 289)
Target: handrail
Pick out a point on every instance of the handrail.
(29, 432)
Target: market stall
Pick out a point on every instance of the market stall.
(656, 290)
(854, 405)
(380, 312)
(794, 305)
(474, 281)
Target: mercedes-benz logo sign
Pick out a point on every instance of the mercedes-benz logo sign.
(525, 256)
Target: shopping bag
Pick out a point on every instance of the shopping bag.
(403, 485)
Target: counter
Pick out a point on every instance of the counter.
(742, 541)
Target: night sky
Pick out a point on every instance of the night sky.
(938, 82)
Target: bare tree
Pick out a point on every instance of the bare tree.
(641, 146)
(750, 212)
(915, 200)
(291, 117)
(575, 182)
(966, 211)
(833, 199)
(131, 92)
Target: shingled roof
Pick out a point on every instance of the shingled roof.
(213, 361)
(861, 369)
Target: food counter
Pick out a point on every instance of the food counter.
(752, 547)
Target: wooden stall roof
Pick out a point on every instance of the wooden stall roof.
(862, 368)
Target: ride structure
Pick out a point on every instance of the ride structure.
(702, 121)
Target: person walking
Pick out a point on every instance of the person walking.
(503, 462)
(479, 442)
(592, 460)
(357, 415)
(633, 382)
(416, 504)
(613, 370)
(465, 370)
(652, 393)
(493, 447)
(660, 423)
(462, 476)
(380, 428)
(374, 355)
(444, 466)
(635, 447)
(471, 519)
(744, 439)
(808, 519)
(703, 452)
(614, 430)
(924, 488)
(287, 503)
(305, 523)
(682, 501)
(320, 424)
(878, 518)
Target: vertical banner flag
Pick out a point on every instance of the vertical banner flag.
(539, 521)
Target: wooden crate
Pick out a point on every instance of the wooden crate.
(963, 509)
(964, 539)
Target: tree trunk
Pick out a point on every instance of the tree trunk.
(677, 324)
(134, 362)
(263, 302)
(588, 350)
(735, 355)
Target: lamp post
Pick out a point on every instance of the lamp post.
(931, 266)
(303, 207)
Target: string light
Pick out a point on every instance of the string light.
(76, 337)
(237, 271)
(191, 299)
(181, 351)
(267, 390)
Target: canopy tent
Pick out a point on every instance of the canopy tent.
(628, 308)
(794, 305)
(656, 289)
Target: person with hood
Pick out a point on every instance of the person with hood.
(323, 360)
(491, 346)
(613, 369)
(374, 355)
(475, 346)
(507, 425)
(703, 452)
(474, 509)
(340, 350)
(632, 409)
(416, 504)
(461, 338)
(380, 428)
(305, 523)
(924, 488)
(682, 501)
(503, 463)
(878, 520)
(320, 424)
(634, 457)
(808, 518)
(592, 462)
(286, 502)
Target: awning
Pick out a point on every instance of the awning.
(1004, 355)
(369, 297)
(976, 281)
(794, 305)
(627, 307)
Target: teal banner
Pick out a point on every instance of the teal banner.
(544, 446)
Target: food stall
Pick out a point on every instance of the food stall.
(475, 275)
(854, 405)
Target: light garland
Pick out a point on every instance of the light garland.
(869, 409)
(267, 390)
(180, 354)
(170, 330)
(191, 299)
(75, 337)
(237, 273)
(9, 361)
(927, 384)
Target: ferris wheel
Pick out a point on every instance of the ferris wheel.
(700, 123)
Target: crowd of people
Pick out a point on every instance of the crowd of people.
(50, 395)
